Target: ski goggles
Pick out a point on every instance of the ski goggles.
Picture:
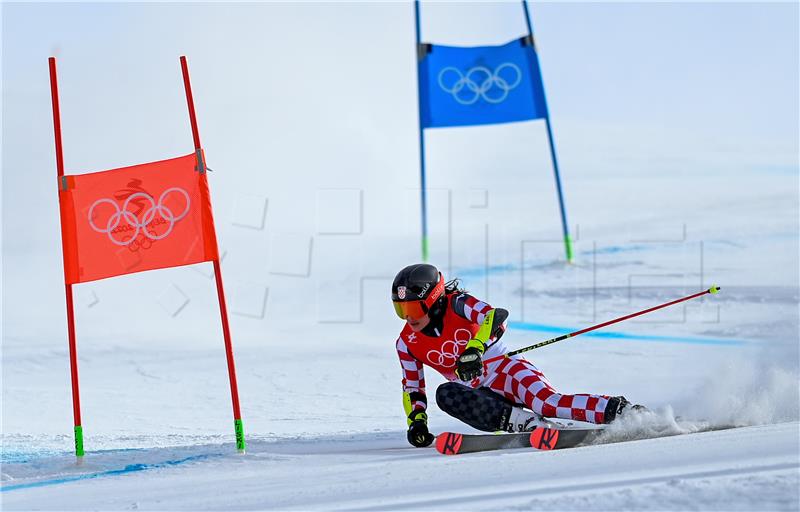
(411, 309)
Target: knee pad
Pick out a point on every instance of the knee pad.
(480, 408)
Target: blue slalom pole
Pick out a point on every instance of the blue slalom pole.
(421, 143)
(564, 225)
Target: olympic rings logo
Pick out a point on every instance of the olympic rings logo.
(480, 82)
(115, 224)
(450, 350)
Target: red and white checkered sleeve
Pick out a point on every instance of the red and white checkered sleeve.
(469, 307)
(413, 376)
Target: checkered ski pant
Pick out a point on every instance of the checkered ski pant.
(520, 381)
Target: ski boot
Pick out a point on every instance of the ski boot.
(619, 406)
(523, 420)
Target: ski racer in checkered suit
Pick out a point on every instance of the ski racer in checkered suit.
(452, 332)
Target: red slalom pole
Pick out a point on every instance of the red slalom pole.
(223, 309)
(73, 348)
(713, 290)
(190, 101)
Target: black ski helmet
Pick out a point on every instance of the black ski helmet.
(416, 290)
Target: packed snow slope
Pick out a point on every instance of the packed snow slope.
(726, 470)
(679, 160)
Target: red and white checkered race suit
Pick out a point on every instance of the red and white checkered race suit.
(514, 377)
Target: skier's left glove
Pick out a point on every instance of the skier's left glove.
(418, 434)
(470, 365)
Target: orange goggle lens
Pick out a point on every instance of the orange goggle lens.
(412, 309)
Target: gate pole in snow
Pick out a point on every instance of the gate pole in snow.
(423, 190)
(73, 349)
(237, 415)
(564, 225)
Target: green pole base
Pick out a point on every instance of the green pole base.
(78, 441)
(239, 429)
(425, 249)
(568, 247)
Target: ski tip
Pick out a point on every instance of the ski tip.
(449, 443)
(714, 289)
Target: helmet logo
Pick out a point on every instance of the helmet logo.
(437, 292)
(424, 290)
(401, 292)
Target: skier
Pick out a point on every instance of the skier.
(452, 332)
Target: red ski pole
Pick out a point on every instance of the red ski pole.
(714, 289)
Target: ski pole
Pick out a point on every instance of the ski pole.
(714, 289)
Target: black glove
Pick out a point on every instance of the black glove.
(418, 434)
(469, 365)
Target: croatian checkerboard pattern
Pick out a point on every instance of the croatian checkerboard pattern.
(520, 381)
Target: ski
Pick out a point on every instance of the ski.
(554, 438)
(541, 438)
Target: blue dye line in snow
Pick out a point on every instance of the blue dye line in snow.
(614, 249)
(23, 457)
(481, 271)
(131, 468)
(526, 326)
(26, 456)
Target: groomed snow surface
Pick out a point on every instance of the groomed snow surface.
(678, 140)
(326, 432)
(752, 468)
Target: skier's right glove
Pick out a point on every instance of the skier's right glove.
(418, 434)
(470, 365)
